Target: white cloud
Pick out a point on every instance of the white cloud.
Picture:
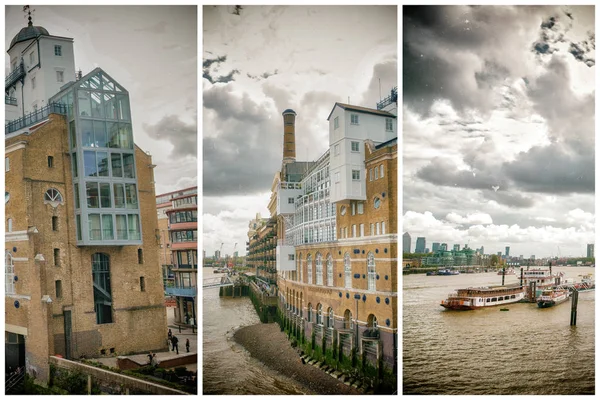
(471, 219)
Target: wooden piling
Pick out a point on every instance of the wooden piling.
(521, 277)
(574, 299)
(503, 273)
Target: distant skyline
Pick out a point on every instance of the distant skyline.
(263, 61)
(498, 127)
(152, 51)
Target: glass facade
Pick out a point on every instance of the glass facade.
(102, 154)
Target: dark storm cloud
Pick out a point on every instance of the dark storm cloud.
(244, 155)
(579, 51)
(442, 172)
(206, 73)
(551, 169)
(510, 199)
(183, 136)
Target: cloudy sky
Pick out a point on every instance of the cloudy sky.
(152, 52)
(263, 61)
(498, 123)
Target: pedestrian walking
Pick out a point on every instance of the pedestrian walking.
(187, 345)
(154, 360)
(149, 357)
(174, 340)
(169, 337)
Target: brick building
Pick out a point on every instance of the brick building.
(82, 277)
(337, 248)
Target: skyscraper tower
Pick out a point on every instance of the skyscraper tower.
(420, 245)
(289, 136)
(406, 242)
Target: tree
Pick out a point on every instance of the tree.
(494, 259)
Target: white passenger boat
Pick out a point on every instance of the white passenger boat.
(473, 298)
(552, 297)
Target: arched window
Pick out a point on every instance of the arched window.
(330, 318)
(371, 271)
(102, 290)
(347, 271)
(309, 268)
(9, 273)
(348, 320)
(329, 270)
(52, 195)
(319, 314)
(372, 321)
(309, 315)
(319, 269)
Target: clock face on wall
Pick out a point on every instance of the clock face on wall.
(343, 210)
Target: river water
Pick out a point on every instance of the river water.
(227, 368)
(525, 350)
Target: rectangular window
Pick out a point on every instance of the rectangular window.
(372, 230)
(58, 51)
(6, 164)
(102, 163)
(142, 284)
(117, 166)
(353, 208)
(337, 177)
(33, 82)
(105, 195)
(376, 173)
(356, 175)
(133, 225)
(377, 228)
(290, 257)
(58, 286)
(76, 193)
(362, 230)
(74, 158)
(107, 227)
(72, 134)
(354, 119)
(383, 227)
(31, 59)
(121, 227)
(100, 138)
(131, 196)
(371, 174)
(353, 230)
(389, 125)
(336, 122)
(89, 163)
(336, 150)
(50, 162)
(57, 257)
(361, 208)
(381, 171)
(60, 76)
(54, 223)
(128, 166)
(354, 146)
(290, 200)
(95, 230)
(78, 218)
(92, 194)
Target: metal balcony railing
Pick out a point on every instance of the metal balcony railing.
(35, 117)
(14, 76)
(392, 98)
(10, 100)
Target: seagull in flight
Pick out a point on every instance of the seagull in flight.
(495, 188)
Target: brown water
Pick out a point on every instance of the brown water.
(226, 367)
(525, 350)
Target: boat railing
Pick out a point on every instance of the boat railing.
(453, 294)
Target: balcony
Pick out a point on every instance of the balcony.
(181, 291)
(11, 101)
(35, 117)
(14, 76)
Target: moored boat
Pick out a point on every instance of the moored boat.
(447, 272)
(552, 297)
(510, 271)
(473, 298)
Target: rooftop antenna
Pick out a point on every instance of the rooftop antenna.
(28, 10)
(379, 89)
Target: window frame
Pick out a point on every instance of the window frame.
(356, 175)
(354, 146)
